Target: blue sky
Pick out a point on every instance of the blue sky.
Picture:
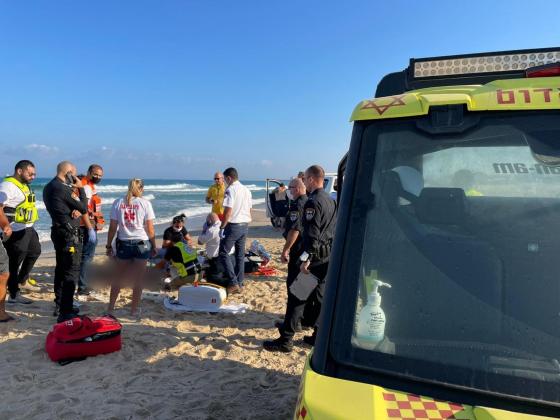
(178, 89)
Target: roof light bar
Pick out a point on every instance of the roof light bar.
(495, 63)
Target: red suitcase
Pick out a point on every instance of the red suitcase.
(81, 337)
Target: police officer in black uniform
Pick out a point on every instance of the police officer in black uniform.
(318, 222)
(65, 200)
(293, 229)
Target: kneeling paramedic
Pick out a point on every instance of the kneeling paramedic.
(66, 201)
(184, 259)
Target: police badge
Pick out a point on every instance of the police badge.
(293, 216)
(309, 213)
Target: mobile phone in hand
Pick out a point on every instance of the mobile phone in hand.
(70, 179)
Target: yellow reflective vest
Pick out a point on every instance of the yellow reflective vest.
(26, 211)
(189, 256)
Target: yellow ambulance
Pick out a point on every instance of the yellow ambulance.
(443, 294)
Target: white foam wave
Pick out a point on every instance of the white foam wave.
(179, 187)
(253, 187)
(189, 212)
(40, 205)
(198, 211)
(44, 235)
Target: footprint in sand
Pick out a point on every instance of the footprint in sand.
(57, 396)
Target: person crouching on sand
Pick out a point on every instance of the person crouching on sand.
(136, 242)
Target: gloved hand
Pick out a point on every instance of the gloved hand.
(92, 236)
(222, 234)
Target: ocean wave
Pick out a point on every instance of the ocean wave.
(253, 187)
(198, 211)
(189, 212)
(178, 187)
(44, 234)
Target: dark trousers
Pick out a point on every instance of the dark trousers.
(215, 273)
(67, 271)
(23, 248)
(88, 252)
(235, 235)
(293, 268)
(305, 311)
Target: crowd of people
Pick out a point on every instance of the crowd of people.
(74, 206)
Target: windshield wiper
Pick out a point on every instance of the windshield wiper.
(540, 369)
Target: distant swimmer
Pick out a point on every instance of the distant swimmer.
(215, 195)
(23, 246)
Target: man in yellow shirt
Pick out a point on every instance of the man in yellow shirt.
(215, 195)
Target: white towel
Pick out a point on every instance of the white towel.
(174, 305)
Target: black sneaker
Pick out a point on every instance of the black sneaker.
(86, 291)
(279, 344)
(279, 324)
(309, 339)
(65, 317)
(75, 310)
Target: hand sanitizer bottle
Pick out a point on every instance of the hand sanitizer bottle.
(371, 321)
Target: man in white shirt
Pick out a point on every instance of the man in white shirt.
(23, 246)
(210, 236)
(237, 216)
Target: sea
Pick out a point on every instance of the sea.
(168, 197)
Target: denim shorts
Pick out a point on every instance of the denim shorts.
(133, 249)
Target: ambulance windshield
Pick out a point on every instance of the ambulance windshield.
(465, 228)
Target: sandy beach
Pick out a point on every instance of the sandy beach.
(172, 365)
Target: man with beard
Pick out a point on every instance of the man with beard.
(23, 247)
(91, 223)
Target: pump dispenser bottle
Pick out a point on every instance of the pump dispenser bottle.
(371, 321)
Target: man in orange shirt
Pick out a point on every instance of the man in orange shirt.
(91, 223)
(215, 195)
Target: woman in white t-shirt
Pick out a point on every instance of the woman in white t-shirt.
(132, 219)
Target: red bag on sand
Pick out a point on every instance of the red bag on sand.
(81, 337)
(265, 271)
